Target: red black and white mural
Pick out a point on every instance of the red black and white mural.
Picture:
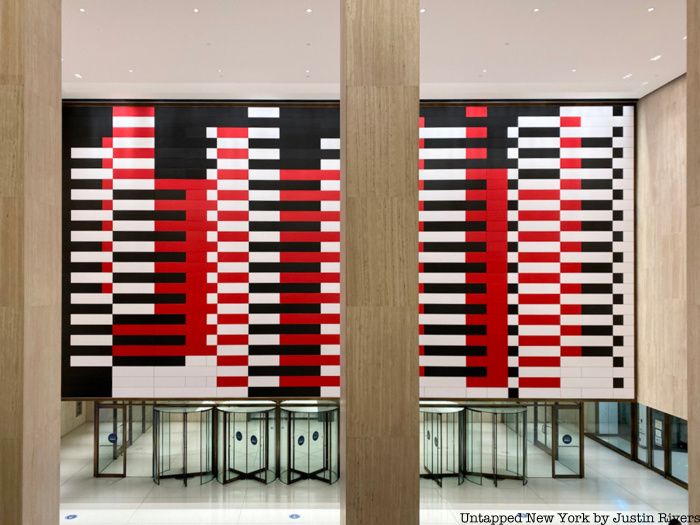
(202, 248)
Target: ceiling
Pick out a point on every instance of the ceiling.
(247, 49)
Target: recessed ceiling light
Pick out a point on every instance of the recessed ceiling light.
(220, 70)
(685, 37)
(307, 71)
(645, 83)
(483, 70)
(536, 10)
(131, 71)
(195, 10)
(309, 10)
(628, 75)
(654, 59)
(77, 75)
(82, 9)
(573, 70)
(423, 10)
(650, 10)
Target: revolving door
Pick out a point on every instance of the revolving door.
(245, 442)
(309, 441)
(496, 444)
(443, 444)
(182, 442)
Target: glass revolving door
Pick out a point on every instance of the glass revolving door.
(442, 440)
(246, 444)
(496, 444)
(309, 441)
(183, 442)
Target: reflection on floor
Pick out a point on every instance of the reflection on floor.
(612, 483)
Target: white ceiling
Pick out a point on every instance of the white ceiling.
(245, 49)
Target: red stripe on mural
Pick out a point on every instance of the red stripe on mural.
(570, 142)
(309, 360)
(539, 382)
(496, 279)
(288, 381)
(538, 278)
(538, 215)
(133, 153)
(232, 381)
(539, 236)
(133, 111)
(231, 153)
(231, 133)
(134, 132)
(477, 111)
(570, 163)
(309, 318)
(570, 122)
(232, 360)
(477, 133)
(539, 361)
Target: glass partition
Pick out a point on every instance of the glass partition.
(612, 423)
(658, 440)
(678, 445)
(642, 434)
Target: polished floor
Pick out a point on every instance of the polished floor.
(612, 483)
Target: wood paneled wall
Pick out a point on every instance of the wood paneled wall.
(693, 255)
(379, 262)
(30, 260)
(661, 255)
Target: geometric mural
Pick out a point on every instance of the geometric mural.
(202, 245)
(527, 251)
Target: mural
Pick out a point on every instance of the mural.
(201, 251)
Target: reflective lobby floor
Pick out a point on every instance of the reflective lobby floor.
(612, 483)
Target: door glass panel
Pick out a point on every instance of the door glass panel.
(206, 459)
(221, 456)
(514, 455)
(316, 437)
(110, 435)
(473, 452)
(543, 429)
(568, 447)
